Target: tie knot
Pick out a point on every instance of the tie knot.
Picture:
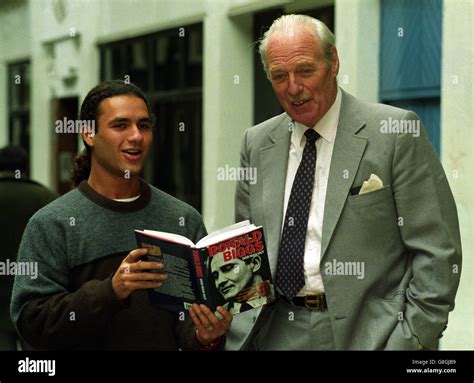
(311, 135)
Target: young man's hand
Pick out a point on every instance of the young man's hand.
(131, 274)
(209, 327)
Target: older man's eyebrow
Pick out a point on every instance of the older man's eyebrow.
(306, 64)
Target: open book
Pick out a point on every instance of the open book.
(226, 268)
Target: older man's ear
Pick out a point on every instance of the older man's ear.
(335, 62)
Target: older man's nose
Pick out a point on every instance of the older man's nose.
(294, 86)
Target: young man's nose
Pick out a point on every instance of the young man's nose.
(135, 134)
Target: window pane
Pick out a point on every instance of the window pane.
(107, 64)
(137, 53)
(25, 86)
(19, 82)
(20, 131)
(178, 148)
(14, 89)
(167, 62)
(117, 65)
(194, 58)
(18, 104)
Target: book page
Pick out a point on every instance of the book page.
(176, 238)
(227, 232)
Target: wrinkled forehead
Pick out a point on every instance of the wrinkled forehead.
(284, 47)
(294, 38)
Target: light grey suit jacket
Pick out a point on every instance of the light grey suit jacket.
(406, 233)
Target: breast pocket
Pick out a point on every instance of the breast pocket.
(376, 196)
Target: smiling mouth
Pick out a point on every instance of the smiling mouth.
(132, 154)
(299, 103)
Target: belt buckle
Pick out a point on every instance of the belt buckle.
(312, 302)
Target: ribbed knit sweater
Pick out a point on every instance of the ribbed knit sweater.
(78, 242)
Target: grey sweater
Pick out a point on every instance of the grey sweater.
(78, 241)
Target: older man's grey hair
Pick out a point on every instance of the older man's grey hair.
(288, 23)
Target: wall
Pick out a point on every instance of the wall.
(357, 30)
(228, 84)
(15, 45)
(457, 154)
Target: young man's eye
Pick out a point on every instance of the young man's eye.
(119, 125)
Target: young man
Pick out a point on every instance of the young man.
(90, 291)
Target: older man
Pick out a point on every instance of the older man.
(361, 225)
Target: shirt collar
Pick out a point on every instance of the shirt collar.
(326, 127)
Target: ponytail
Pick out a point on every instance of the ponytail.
(81, 167)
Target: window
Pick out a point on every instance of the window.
(410, 60)
(19, 104)
(167, 66)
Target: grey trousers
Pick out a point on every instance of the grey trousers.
(292, 327)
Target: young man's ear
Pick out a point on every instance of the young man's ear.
(88, 135)
(256, 263)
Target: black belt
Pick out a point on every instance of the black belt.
(311, 302)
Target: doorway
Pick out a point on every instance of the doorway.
(64, 110)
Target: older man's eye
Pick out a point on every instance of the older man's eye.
(278, 77)
(307, 71)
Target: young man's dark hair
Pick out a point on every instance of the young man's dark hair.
(90, 111)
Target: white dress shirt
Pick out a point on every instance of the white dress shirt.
(326, 128)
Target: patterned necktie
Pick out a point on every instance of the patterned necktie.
(290, 271)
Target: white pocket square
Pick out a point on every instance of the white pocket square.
(372, 184)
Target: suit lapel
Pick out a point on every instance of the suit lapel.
(347, 154)
(274, 162)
